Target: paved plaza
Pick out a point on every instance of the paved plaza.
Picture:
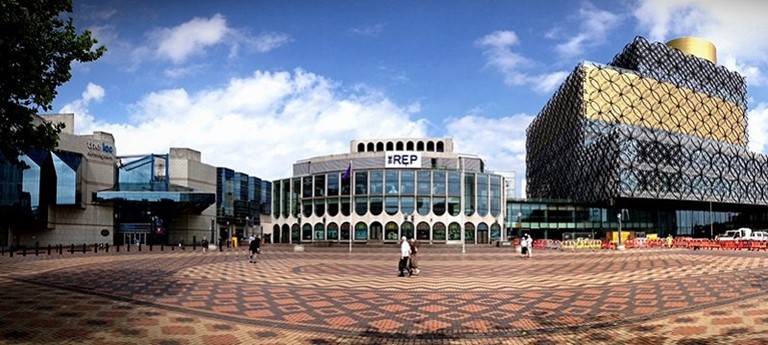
(488, 295)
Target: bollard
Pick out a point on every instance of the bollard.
(118, 248)
(95, 247)
(72, 248)
(139, 245)
(61, 249)
(106, 247)
(37, 248)
(24, 251)
(194, 243)
(84, 248)
(49, 250)
(161, 247)
(10, 251)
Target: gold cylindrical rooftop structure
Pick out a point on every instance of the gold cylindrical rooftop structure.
(695, 46)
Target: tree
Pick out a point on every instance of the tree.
(38, 43)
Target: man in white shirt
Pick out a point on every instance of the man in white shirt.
(405, 253)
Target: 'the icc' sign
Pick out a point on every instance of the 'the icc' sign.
(402, 159)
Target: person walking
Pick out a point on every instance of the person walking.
(414, 261)
(528, 245)
(204, 244)
(405, 254)
(254, 248)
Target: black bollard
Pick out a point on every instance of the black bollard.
(10, 251)
(72, 248)
(24, 251)
(139, 246)
(161, 247)
(84, 248)
(95, 247)
(106, 247)
(194, 243)
(61, 249)
(37, 248)
(49, 250)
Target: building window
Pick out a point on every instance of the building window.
(333, 231)
(319, 232)
(361, 205)
(391, 181)
(454, 232)
(361, 232)
(438, 232)
(390, 204)
(377, 205)
(361, 183)
(469, 194)
(423, 205)
(390, 231)
(377, 182)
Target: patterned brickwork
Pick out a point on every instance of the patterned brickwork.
(487, 297)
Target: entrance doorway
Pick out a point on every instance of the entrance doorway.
(135, 238)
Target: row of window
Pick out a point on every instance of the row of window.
(393, 231)
(392, 189)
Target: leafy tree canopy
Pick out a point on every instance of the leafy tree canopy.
(38, 43)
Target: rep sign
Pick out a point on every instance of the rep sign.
(402, 159)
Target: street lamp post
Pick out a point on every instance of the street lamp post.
(462, 225)
(247, 232)
(619, 246)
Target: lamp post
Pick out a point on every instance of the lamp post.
(247, 233)
(619, 246)
(461, 225)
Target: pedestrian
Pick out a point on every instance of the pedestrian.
(528, 246)
(204, 244)
(405, 253)
(414, 261)
(254, 248)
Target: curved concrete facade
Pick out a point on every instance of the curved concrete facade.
(386, 189)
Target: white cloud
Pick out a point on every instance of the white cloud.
(83, 118)
(268, 41)
(263, 123)
(757, 127)
(190, 38)
(500, 142)
(595, 24)
(373, 30)
(513, 66)
(194, 38)
(737, 28)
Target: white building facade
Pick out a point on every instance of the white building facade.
(385, 189)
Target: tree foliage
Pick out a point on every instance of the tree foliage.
(38, 43)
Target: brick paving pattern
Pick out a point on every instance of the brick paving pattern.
(330, 296)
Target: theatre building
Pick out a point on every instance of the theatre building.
(385, 189)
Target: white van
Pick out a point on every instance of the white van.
(738, 234)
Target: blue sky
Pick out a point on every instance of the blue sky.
(257, 85)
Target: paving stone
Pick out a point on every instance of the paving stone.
(486, 296)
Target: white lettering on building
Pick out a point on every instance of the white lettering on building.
(402, 159)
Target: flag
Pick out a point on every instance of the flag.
(347, 173)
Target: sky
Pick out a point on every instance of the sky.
(258, 85)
